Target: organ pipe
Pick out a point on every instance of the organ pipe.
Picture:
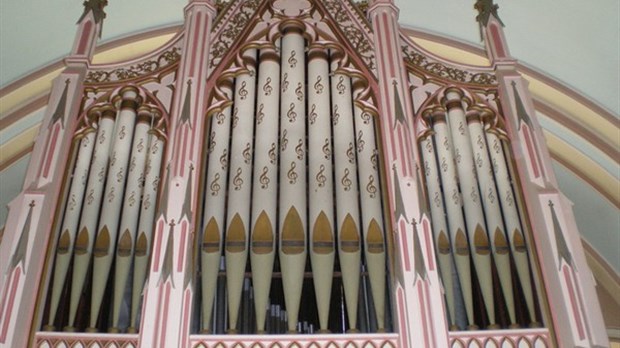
(265, 185)
(131, 211)
(71, 218)
(112, 200)
(478, 238)
(347, 209)
(492, 210)
(214, 207)
(371, 209)
(321, 213)
(292, 224)
(90, 212)
(453, 203)
(239, 188)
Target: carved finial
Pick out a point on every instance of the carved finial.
(551, 204)
(97, 7)
(486, 8)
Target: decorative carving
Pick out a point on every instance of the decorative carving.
(439, 70)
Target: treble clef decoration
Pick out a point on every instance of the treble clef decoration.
(267, 87)
(313, 115)
(291, 174)
(247, 155)
(284, 82)
(272, 153)
(318, 86)
(326, 149)
(292, 61)
(283, 141)
(243, 92)
(260, 114)
(345, 181)
(264, 178)
(291, 114)
(350, 153)
(320, 177)
(299, 91)
(360, 141)
(237, 181)
(215, 186)
(336, 114)
(299, 149)
(371, 188)
(340, 86)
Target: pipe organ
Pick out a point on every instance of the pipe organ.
(275, 224)
(108, 216)
(299, 223)
(471, 195)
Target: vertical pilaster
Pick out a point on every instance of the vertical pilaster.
(568, 283)
(169, 290)
(28, 228)
(418, 301)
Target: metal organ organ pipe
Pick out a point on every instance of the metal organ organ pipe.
(471, 195)
(293, 152)
(122, 164)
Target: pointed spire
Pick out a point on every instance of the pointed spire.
(96, 6)
(186, 112)
(420, 267)
(186, 210)
(486, 9)
(399, 114)
(521, 111)
(399, 206)
(20, 252)
(59, 114)
(166, 268)
(560, 242)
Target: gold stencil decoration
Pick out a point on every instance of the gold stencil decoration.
(81, 243)
(501, 245)
(124, 244)
(141, 244)
(481, 241)
(374, 238)
(64, 243)
(518, 241)
(443, 244)
(322, 236)
(461, 243)
(262, 236)
(293, 241)
(235, 238)
(349, 236)
(102, 243)
(211, 237)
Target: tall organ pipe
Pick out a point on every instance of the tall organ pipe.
(372, 218)
(265, 186)
(478, 238)
(131, 212)
(440, 228)
(511, 218)
(493, 214)
(292, 224)
(240, 188)
(64, 251)
(347, 208)
(90, 212)
(112, 200)
(453, 203)
(145, 224)
(321, 184)
(214, 207)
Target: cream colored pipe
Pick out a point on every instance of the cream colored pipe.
(478, 238)
(240, 189)
(347, 203)
(440, 228)
(64, 250)
(112, 200)
(214, 208)
(131, 212)
(513, 225)
(292, 220)
(493, 214)
(453, 204)
(321, 190)
(146, 223)
(90, 212)
(265, 186)
(372, 217)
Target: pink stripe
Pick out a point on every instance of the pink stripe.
(429, 250)
(84, 38)
(401, 148)
(410, 156)
(573, 302)
(421, 300)
(194, 44)
(185, 332)
(164, 326)
(158, 315)
(404, 246)
(47, 146)
(499, 47)
(530, 151)
(430, 314)
(50, 151)
(183, 154)
(387, 102)
(182, 253)
(11, 300)
(389, 44)
(158, 235)
(401, 317)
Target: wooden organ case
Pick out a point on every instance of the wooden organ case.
(292, 174)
